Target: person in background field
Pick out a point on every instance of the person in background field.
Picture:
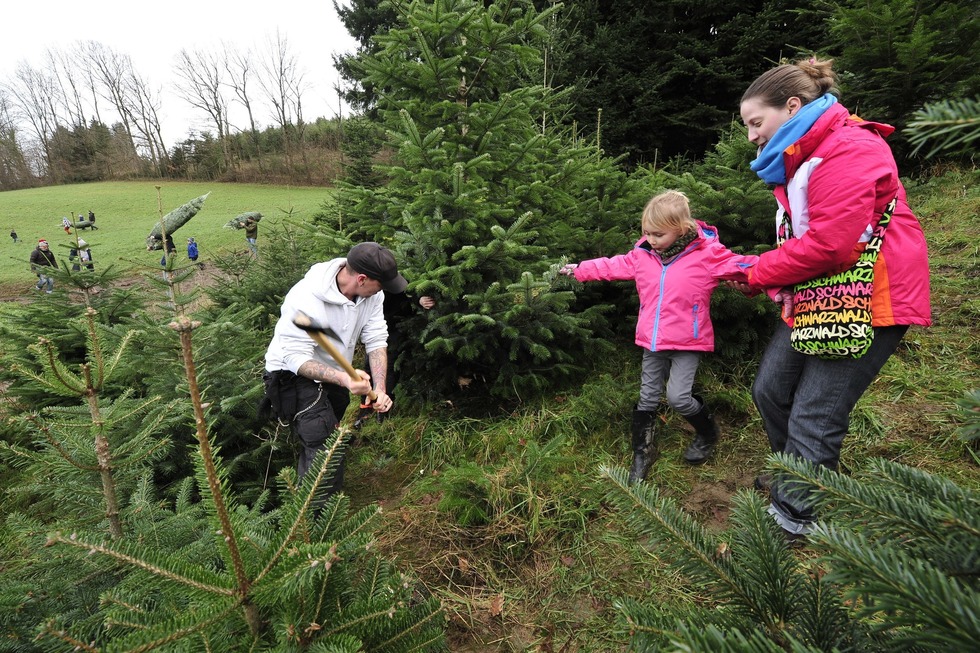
(84, 255)
(676, 266)
(91, 217)
(304, 385)
(168, 248)
(833, 175)
(13, 236)
(192, 252)
(66, 224)
(252, 235)
(41, 259)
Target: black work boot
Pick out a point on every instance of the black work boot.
(705, 435)
(644, 444)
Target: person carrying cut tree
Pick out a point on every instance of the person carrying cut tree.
(252, 235)
(304, 385)
(676, 265)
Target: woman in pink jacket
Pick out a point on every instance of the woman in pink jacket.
(833, 175)
(676, 265)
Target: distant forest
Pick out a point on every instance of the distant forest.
(651, 81)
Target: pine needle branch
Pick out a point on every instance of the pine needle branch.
(883, 579)
(173, 631)
(300, 515)
(950, 125)
(697, 552)
(120, 554)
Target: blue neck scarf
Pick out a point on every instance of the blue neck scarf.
(769, 163)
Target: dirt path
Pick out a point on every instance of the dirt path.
(24, 291)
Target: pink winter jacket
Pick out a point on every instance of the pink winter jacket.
(841, 174)
(675, 297)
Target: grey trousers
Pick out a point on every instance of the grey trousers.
(677, 368)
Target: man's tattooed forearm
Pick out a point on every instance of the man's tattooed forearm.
(378, 362)
(317, 371)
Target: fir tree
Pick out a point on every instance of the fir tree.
(58, 318)
(83, 455)
(897, 566)
(105, 563)
(486, 189)
(666, 75)
(362, 141)
(895, 55)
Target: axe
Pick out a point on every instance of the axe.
(320, 334)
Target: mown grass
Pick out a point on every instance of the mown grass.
(126, 212)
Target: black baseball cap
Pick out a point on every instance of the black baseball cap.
(377, 263)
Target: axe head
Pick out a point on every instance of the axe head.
(306, 323)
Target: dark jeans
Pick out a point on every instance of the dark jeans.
(319, 408)
(806, 403)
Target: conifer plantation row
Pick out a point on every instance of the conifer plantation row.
(148, 506)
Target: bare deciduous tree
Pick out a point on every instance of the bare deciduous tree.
(109, 70)
(14, 170)
(137, 105)
(202, 85)
(240, 71)
(146, 117)
(34, 96)
(61, 67)
(283, 83)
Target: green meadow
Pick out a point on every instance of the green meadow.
(127, 211)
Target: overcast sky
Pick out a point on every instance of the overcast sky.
(152, 34)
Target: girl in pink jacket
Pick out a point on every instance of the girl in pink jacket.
(833, 175)
(676, 266)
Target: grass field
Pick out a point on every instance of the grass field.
(126, 212)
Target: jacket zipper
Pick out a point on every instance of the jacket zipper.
(660, 297)
(660, 303)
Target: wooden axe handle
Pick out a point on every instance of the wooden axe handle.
(322, 340)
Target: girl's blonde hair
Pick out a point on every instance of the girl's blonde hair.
(807, 79)
(668, 210)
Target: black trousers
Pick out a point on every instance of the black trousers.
(319, 409)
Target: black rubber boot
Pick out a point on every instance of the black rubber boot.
(705, 436)
(644, 444)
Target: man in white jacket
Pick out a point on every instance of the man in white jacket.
(307, 388)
